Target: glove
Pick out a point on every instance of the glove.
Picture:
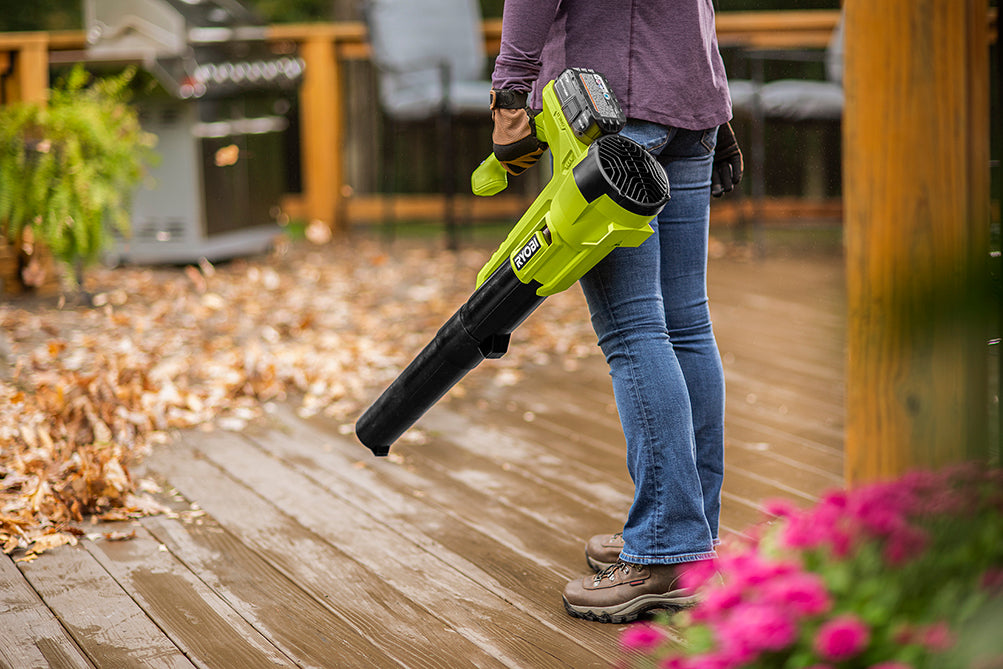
(513, 138)
(727, 170)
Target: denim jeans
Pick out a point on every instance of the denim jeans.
(649, 309)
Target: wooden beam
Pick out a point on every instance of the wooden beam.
(916, 199)
(430, 207)
(777, 29)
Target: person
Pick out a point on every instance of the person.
(648, 304)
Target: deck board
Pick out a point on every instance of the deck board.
(192, 615)
(450, 553)
(400, 628)
(415, 567)
(30, 634)
(101, 617)
(299, 625)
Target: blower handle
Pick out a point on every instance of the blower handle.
(490, 178)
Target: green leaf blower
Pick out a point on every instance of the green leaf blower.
(604, 192)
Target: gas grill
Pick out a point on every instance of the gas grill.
(220, 115)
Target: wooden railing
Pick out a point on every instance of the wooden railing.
(326, 47)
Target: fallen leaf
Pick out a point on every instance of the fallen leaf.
(119, 536)
(47, 542)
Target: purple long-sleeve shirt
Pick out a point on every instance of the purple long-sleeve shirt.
(660, 56)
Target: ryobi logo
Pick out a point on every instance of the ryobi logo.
(526, 252)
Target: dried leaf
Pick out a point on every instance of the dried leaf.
(47, 542)
(119, 536)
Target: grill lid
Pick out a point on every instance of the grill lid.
(195, 48)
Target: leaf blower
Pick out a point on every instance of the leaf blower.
(603, 194)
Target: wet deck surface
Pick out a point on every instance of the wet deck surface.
(307, 551)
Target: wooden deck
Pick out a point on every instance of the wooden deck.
(292, 546)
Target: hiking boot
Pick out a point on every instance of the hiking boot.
(623, 591)
(603, 550)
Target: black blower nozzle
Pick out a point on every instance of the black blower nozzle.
(479, 329)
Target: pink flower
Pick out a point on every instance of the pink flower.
(674, 662)
(905, 544)
(717, 601)
(801, 533)
(882, 521)
(841, 542)
(937, 637)
(695, 575)
(992, 580)
(780, 508)
(921, 480)
(904, 635)
(837, 499)
(842, 638)
(802, 593)
(713, 661)
(750, 569)
(752, 628)
(826, 524)
(643, 638)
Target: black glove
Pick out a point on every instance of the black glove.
(513, 138)
(727, 171)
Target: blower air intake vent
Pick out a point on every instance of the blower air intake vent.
(632, 171)
(623, 170)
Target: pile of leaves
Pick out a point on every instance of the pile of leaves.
(69, 166)
(87, 390)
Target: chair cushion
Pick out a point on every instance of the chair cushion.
(801, 100)
(743, 92)
(789, 99)
(424, 99)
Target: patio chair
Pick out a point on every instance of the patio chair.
(793, 99)
(786, 100)
(430, 59)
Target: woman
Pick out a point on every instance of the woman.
(648, 304)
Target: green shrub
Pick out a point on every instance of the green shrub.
(68, 168)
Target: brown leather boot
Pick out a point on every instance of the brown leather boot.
(624, 591)
(603, 550)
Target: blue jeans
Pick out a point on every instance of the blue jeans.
(649, 309)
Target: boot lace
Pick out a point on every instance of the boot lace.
(610, 572)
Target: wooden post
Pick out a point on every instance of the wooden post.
(33, 70)
(916, 156)
(27, 59)
(322, 123)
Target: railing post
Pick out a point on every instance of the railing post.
(917, 225)
(321, 130)
(26, 68)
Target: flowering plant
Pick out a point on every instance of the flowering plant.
(906, 574)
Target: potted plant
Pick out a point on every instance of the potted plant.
(68, 168)
(906, 574)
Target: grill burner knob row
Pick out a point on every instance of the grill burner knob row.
(251, 72)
